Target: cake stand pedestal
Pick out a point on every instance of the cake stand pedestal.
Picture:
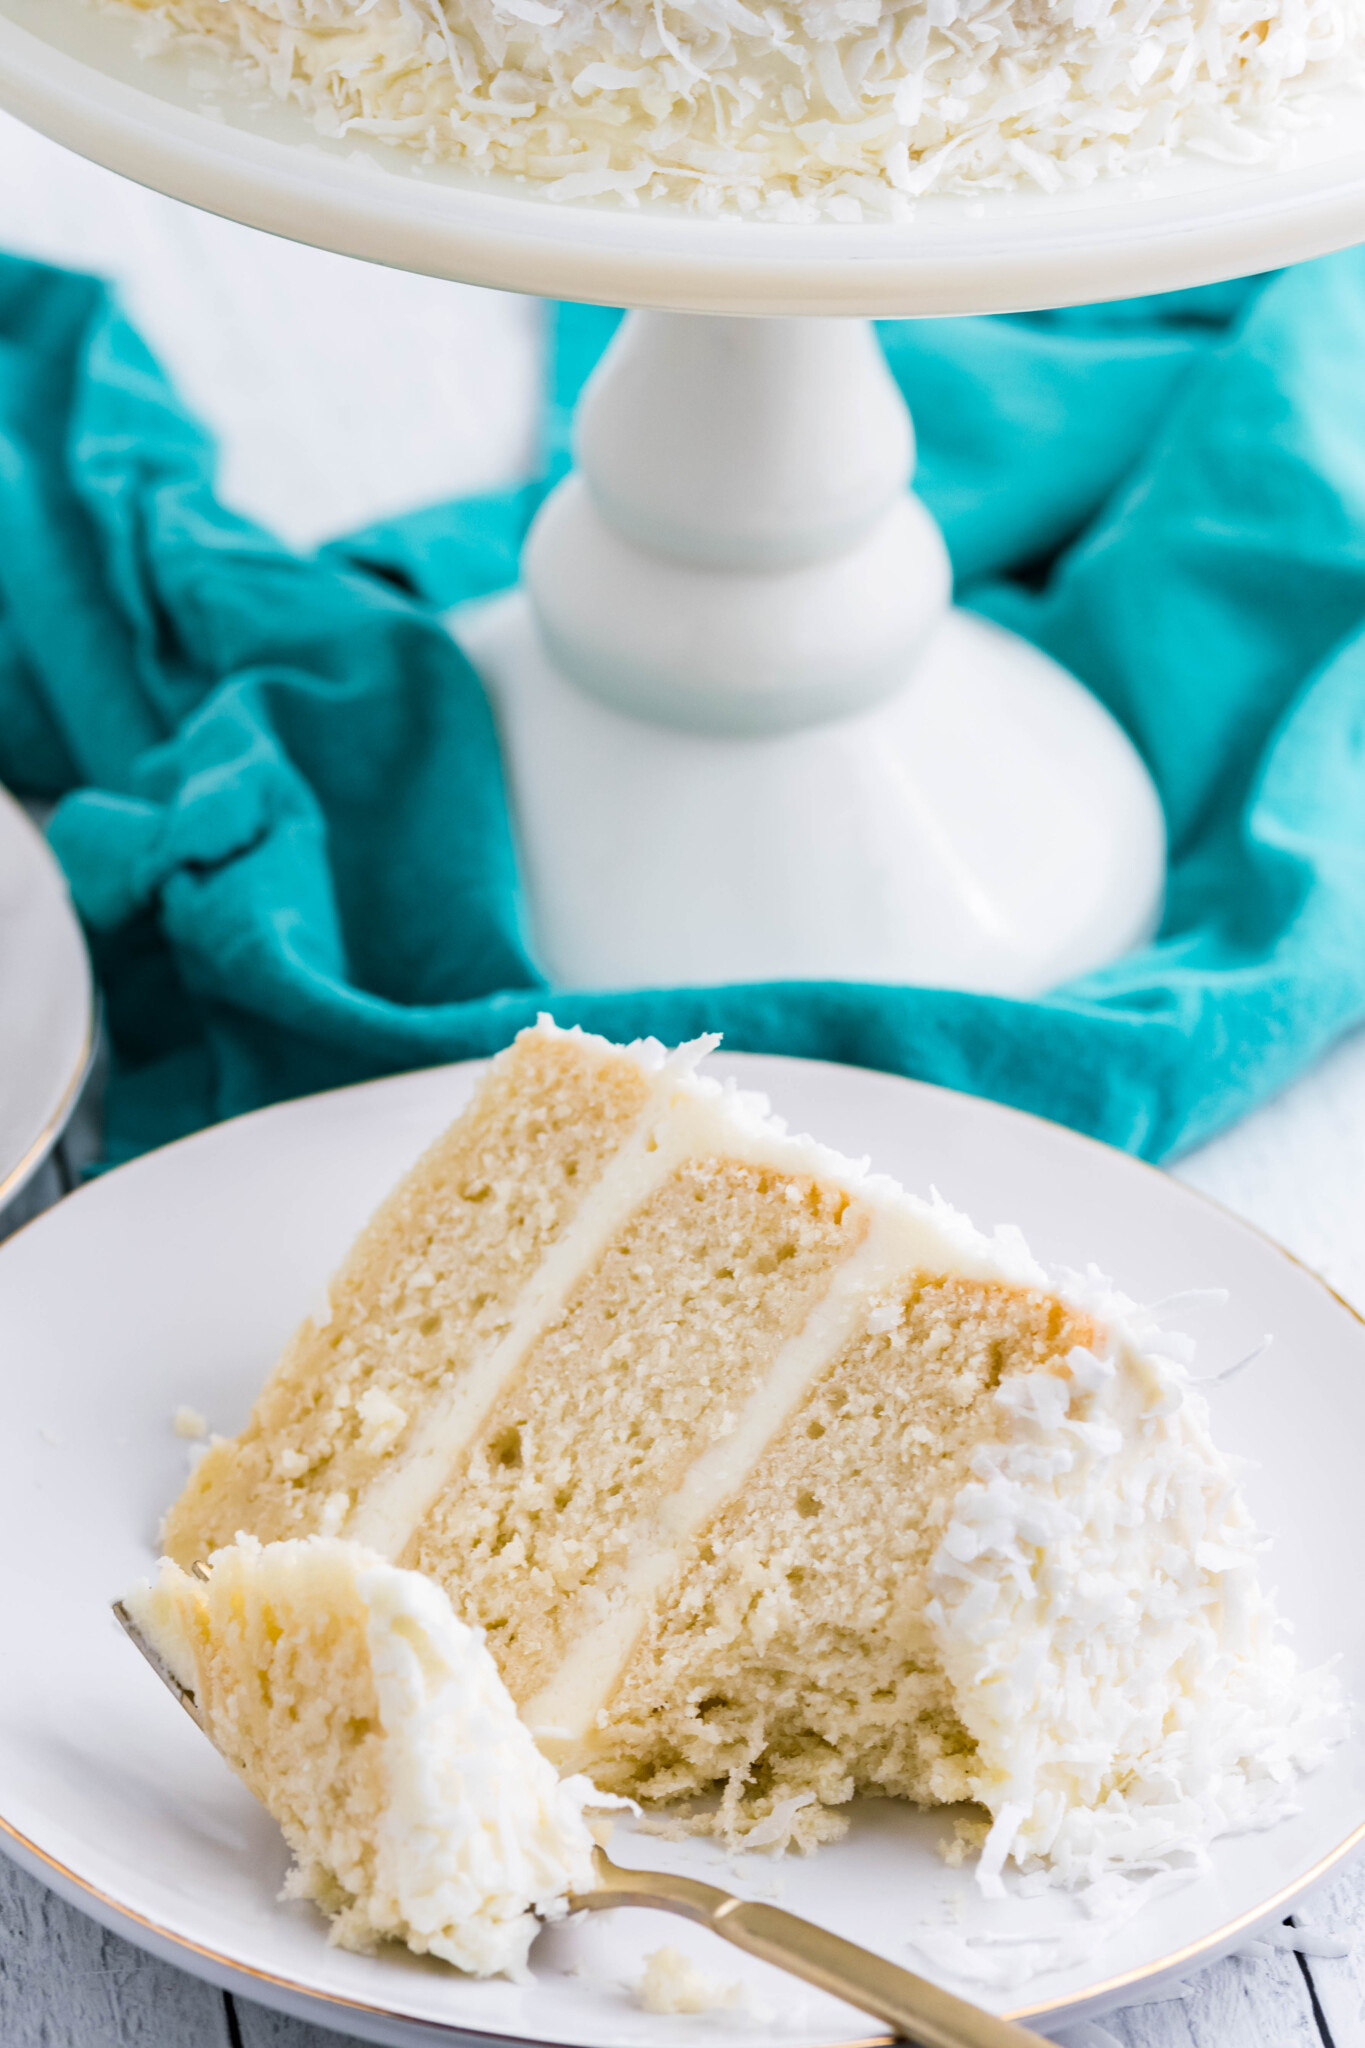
(747, 736)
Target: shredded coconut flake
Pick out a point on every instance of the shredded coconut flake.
(777, 1828)
(1097, 1605)
(847, 109)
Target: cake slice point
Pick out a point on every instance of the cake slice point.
(375, 1729)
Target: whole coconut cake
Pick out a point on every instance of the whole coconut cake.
(764, 1479)
(795, 108)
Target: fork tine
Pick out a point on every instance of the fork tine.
(168, 1678)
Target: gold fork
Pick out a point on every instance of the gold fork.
(915, 2009)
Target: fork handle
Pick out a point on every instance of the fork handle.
(913, 2007)
(918, 2010)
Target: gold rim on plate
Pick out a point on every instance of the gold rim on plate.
(52, 1130)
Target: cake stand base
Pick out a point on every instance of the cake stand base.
(986, 826)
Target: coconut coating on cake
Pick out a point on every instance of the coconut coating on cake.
(850, 109)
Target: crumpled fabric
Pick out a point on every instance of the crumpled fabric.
(280, 806)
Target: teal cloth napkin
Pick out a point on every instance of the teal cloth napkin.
(280, 801)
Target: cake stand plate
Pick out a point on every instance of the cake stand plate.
(177, 1279)
(74, 72)
(47, 1004)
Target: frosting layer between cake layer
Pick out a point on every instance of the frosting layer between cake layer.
(1098, 1609)
(563, 1712)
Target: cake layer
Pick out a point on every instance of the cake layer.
(429, 1290)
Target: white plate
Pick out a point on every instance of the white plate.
(74, 73)
(46, 1001)
(177, 1279)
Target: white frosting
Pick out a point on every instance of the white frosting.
(154, 1610)
(649, 1054)
(1098, 1609)
(480, 1839)
(788, 110)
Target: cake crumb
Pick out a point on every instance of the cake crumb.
(779, 1829)
(384, 1421)
(189, 1423)
(969, 1835)
(672, 1983)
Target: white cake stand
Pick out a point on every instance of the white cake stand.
(746, 736)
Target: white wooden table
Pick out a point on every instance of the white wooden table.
(342, 393)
